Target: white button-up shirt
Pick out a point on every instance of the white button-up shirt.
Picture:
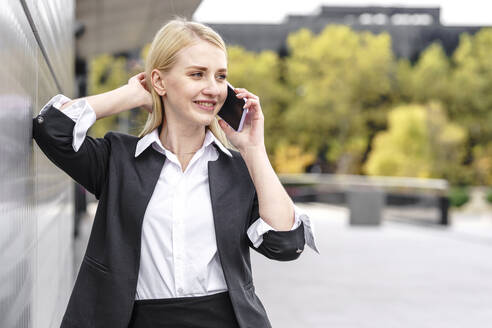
(179, 255)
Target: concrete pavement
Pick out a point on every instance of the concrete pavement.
(395, 275)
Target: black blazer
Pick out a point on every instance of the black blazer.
(104, 291)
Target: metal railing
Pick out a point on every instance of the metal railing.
(358, 191)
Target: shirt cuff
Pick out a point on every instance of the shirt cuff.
(80, 112)
(259, 228)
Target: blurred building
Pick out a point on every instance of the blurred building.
(39, 43)
(411, 29)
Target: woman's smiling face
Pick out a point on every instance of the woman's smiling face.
(196, 86)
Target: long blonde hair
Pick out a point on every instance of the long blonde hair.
(168, 41)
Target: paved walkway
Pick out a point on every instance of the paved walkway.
(394, 275)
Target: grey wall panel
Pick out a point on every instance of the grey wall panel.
(17, 221)
(54, 212)
(36, 206)
(53, 20)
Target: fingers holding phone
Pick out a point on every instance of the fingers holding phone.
(252, 104)
(250, 116)
(233, 111)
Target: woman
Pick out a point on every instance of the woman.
(177, 209)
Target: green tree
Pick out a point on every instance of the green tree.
(482, 164)
(107, 73)
(339, 83)
(420, 142)
(429, 79)
(291, 159)
(404, 82)
(260, 74)
(471, 90)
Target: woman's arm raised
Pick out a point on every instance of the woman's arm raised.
(271, 204)
(131, 95)
(61, 135)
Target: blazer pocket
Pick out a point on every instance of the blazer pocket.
(95, 264)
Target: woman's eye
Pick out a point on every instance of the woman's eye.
(222, 76)
(197, 74)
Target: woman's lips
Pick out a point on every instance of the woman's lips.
(205, 105)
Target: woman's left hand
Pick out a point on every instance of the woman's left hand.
(251, 136)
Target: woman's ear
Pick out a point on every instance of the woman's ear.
(156, 77)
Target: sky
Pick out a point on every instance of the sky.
(453, 12)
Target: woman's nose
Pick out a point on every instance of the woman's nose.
(212, 89)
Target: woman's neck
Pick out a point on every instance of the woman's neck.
(182, 140)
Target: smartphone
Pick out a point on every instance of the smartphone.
(232, 111)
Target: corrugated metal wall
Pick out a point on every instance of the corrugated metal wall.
(36, 198)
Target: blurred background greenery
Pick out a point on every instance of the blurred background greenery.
(340, 102)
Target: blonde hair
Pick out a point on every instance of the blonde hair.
(168, 41)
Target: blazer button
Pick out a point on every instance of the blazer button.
(40, 119)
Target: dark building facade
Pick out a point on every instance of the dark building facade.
(411, 29)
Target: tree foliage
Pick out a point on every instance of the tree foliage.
(291, 159)
(338, 82)
(471, 100)
(106, 73)
(420, 142)
(463, 83)
(429, 79)
(260, 74)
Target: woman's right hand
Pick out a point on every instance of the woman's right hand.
(138, 85)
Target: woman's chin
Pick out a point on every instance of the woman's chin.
(205, 120)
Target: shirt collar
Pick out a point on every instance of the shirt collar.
(153, 136)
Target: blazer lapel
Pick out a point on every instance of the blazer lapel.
(224, 207)
(148, 167)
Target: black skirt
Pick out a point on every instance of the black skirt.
(210, 311)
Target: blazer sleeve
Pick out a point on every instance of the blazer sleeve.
(278, 245)
(53, 132)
